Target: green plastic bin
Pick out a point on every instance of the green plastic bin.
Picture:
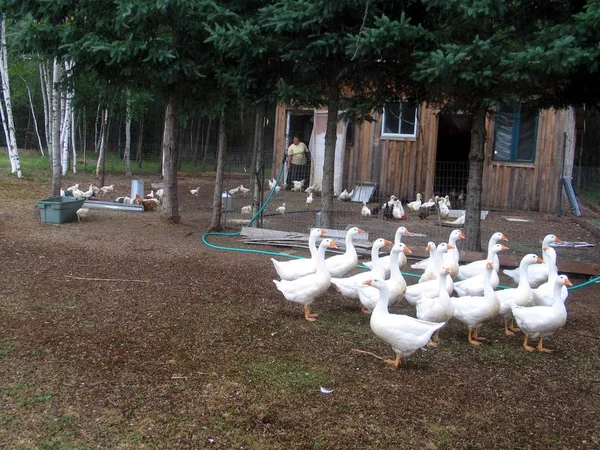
(59, 209)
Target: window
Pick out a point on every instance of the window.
(400, 119)
(515, 134)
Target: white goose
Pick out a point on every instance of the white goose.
(436, 309)
(478, 267)
(429, 288)
(306, 289)
(340, 265)
(451, 259)
(365, 211)
(542, 321)
(296, 268)
(385, 260)
(536, 274)
(473, 311)
(348, 286)
(522, 295)
(474, 284)
(543, 295)
(405, 334)
(432, 272)
(443, 208)
(369, 296)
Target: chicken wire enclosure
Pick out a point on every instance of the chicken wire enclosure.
(451, 179)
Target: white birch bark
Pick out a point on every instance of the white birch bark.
(127, 150)
(55, 111)
(102, 146)
(73, 140)
(35, 123)
(66, 124)
(46, 85)
(7, 115)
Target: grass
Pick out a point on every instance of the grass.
(6, 345)
(38, 167)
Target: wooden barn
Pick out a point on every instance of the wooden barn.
(413, 148)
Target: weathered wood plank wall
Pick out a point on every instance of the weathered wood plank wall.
(405, 167)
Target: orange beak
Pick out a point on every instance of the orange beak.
(368, 282)
(504, 238)
(539, 260)
(557, 239)
(504, 247)
(462, 235)
(568, 282)
(323, 231)
(361, 231)
(407, 250)
(333, 245)
(388, 242)
(450, 246)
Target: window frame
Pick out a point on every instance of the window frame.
(400, 136)
(515, 137)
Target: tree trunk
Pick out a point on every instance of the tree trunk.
(65, 131)
(258, 157)
(100, 165)
(47, 102)
(35, 123)
(328, 164)
(127, 151)
(55, 114)
(199, 135)
(206, 142)
(215, 224)
(140, 136)
(473, 202)
(7, 114)
(170, 208)
(74, 148)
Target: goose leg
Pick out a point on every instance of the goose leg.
(394, 362)
(308, 316)
(434, 340)
(513, 327)
(525, 346)
(471, 341)
(507, 331)
(364, 310)
(476, 335)
(540, 347)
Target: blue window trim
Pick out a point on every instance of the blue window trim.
(514, 144)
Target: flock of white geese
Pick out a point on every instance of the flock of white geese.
(446, 290)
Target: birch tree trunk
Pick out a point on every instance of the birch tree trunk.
(328, 163)
(475, 180)
(47, 89)
(258, 157)
(55, 121)
(7, 114)
(127, 151)
(66, 124)
(215, 224)
(100, 165)
(170, 208)
(35, 123)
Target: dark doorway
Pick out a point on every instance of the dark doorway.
(301, 123)
(452, 162)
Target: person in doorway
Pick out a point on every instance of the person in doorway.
(297, 158)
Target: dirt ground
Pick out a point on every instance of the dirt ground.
(127, 332)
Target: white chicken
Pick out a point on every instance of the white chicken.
(195, 191)
(106, 189)
(309, 200)
(415, 205)
(82, 214)
(244, 190)
(281, 209)
(246, 210)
